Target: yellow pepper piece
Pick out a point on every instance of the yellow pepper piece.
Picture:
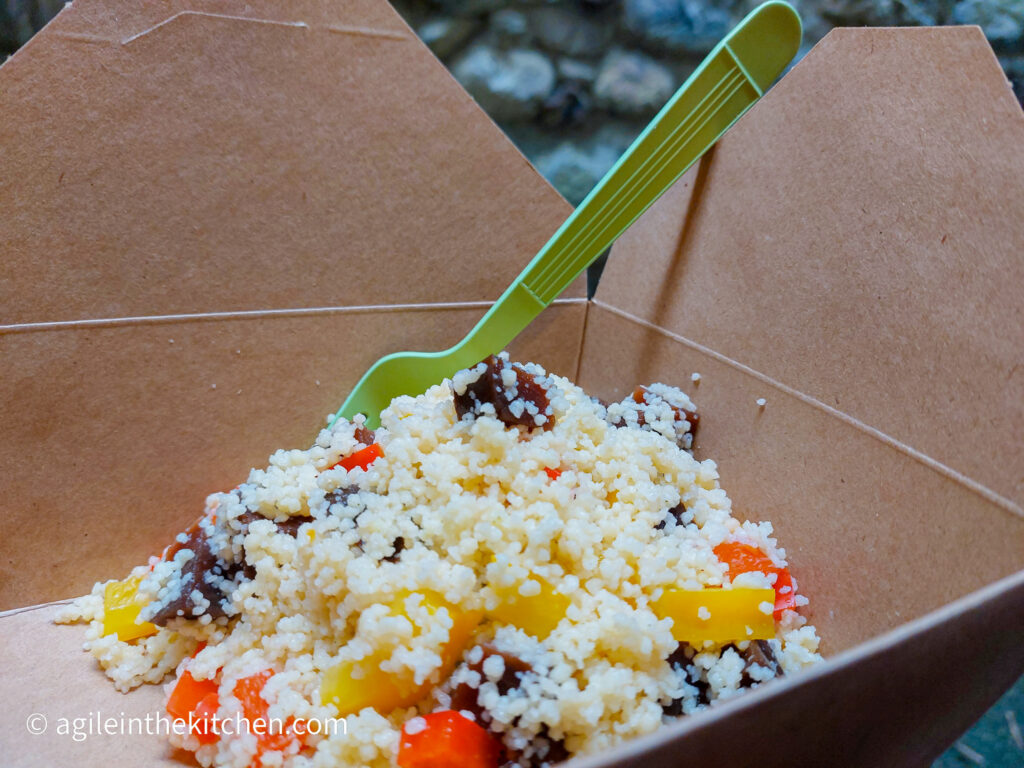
(718, 615)
(536, 615)
(354, 685)
(351, 686)
(121, 609)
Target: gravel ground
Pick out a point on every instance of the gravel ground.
(996, 740)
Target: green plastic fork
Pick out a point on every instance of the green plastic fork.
(726, 84)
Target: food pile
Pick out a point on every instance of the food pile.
(508, 572)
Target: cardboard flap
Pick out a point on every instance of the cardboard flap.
(123, 20)
(856, 241)
(164, 159)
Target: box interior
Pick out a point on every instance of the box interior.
(849, 252)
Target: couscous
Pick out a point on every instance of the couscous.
(507, 572)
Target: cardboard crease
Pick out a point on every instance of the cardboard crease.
(255, 314)
(383, 34)
(37, 607)
(207, 14)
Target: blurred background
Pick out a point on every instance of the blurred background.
(572, 82)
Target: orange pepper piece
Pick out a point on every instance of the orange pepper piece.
(448, 739)
(198, 699)
(249, 692)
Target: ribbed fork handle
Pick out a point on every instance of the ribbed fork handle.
(727, 83)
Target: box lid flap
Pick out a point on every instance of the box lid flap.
(858, 239)
(163, 157)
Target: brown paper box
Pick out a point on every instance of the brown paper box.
(218, 214)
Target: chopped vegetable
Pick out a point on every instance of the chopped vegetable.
(536, 615)
(508, 391)
(354, 685)
(759, 653)
(362, 458)
(199, 699)
(785, 594)
(446, 739)
(121, 606)
(248, 691)
(718, 615)
(744, 558)
(202, 719)
(466, 698)
(202, 584)
(269, 735)
(554, 474)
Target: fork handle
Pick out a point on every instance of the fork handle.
(726, 84)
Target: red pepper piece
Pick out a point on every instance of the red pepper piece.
(449, 739)
(362, 458)
(554, 474)
(198, 699)
(785, 595)
(744, 558)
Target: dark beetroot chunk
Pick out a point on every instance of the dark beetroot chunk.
(212, 576)
(340, 495)
(552, 751)
(289, 526)
(680, 659)
(196, 574)
(398, 545)
(677, 512)
(641, 395)
(364, 435)
(515, 668)
(549, 750)
(557, 753)
(759, 652)
(465, 697)
(489, 388)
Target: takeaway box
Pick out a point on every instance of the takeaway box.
(218, 214)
